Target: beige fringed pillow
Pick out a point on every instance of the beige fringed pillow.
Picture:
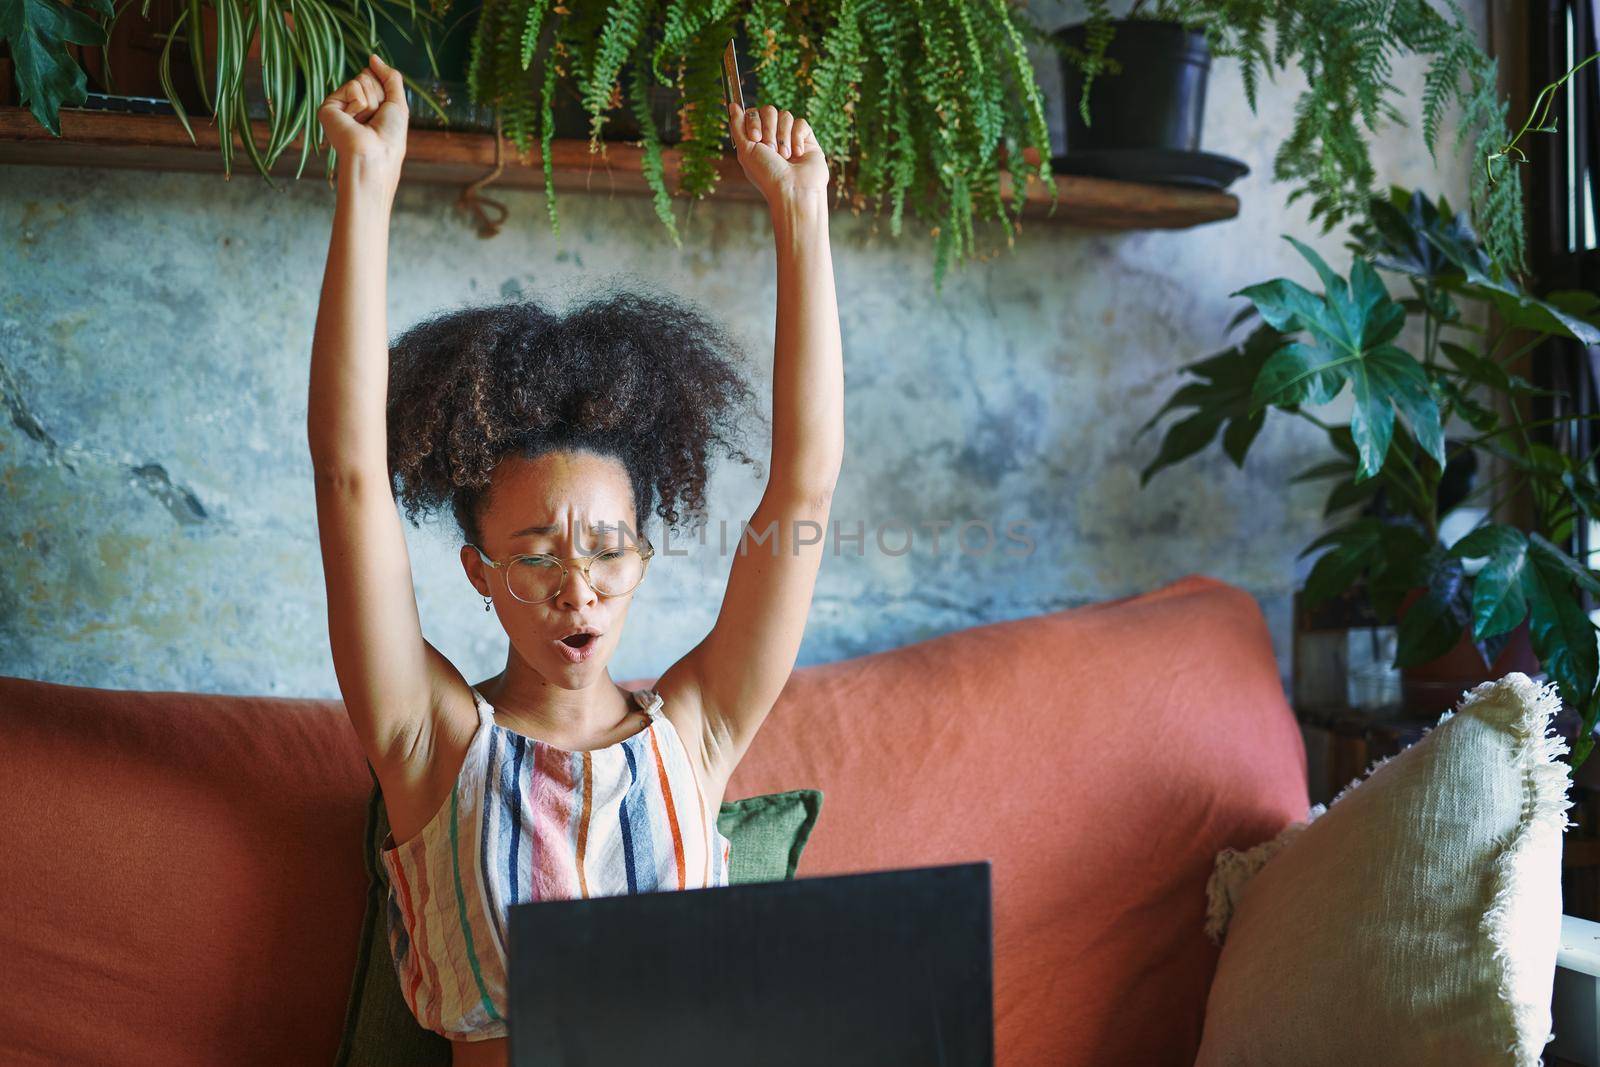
(1413, 921)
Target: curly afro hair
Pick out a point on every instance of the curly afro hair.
(644, 379)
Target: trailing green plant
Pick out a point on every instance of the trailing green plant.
(1393, 460)
(1347, 49)
(914, 102)
(1539, 113)
(308, 49)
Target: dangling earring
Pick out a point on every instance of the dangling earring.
(488, 602)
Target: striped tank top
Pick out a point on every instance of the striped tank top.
(527, 821)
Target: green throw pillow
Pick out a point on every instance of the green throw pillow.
(767, 834)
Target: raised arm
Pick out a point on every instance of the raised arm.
(741, 666)
(379, 655)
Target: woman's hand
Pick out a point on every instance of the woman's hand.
(778, 152)
(365, 121)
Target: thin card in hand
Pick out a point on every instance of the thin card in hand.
(730, 75)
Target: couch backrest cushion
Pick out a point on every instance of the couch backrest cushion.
(183, 877)
(1099, 758)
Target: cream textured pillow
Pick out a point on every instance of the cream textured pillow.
(1415, 920)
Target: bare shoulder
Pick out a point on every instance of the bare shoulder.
(682, 704)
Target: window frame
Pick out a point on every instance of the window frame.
(1556, 213)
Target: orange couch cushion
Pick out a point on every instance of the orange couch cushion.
(184, 881)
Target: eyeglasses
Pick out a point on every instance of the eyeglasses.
(534, 579)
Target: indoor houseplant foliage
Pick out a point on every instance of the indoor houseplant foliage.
(293, 52)
(1393, 459)
(916, 104)
(36, 33)
(297, 52)
(1345, 49)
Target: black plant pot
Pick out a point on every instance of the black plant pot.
(1156, 102)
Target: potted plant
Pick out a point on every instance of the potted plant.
(1345, 52)
(1395, 473)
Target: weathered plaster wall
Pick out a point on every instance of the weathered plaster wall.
(155, 333)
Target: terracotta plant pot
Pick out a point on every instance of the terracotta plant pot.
(1434, 687)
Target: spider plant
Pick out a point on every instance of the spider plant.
(306, 50)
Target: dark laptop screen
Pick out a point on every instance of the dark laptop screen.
(881, 968)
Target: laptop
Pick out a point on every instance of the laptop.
(883, 968)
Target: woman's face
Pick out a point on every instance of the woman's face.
(580, 503)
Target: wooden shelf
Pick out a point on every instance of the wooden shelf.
(99, 138)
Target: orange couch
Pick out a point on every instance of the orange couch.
(183, 879)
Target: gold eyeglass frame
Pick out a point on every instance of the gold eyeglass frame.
(584, 562)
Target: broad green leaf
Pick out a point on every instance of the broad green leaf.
(1562, 562)
(1288, 306)
(1381, 318)
(1435, 621)
(1355, 548)
(1499, 603)
(1336, 294)
(1184, 438)
(37, 32)
(1239, 434)
(1477, 416)
(1371, 422)
(1526, 312)
(1563, 637)
(1410, 390)
(1299, 373)
(1409, 233)
(1222, 401)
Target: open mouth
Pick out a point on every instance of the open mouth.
(577, 640)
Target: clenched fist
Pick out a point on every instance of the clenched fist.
(365, 121)
(778, 152)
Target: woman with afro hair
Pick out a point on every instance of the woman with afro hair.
(553, 439)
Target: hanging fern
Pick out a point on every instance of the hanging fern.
(650, 163)
(913, 101)
(623, 31)
(497, 75)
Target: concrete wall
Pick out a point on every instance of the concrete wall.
(155, 333)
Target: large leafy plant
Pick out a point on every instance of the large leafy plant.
(1393, 460)
(1346, 49)
(917, 103)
